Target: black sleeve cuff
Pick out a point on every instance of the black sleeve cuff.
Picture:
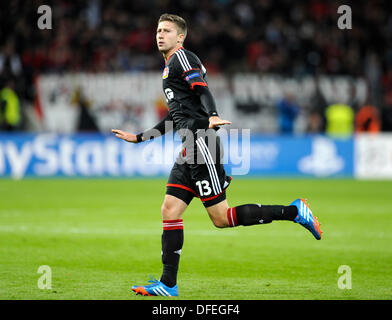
(213, 114)
(139, 137)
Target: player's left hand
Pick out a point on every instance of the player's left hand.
(216, 121)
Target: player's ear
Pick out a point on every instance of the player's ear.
(180, 38)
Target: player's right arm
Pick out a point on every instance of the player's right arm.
(126, 136)
(158, 130)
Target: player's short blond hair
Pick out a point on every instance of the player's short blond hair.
(177, 20)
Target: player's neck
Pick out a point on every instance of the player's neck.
(168, 54)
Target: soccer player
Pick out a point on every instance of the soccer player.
(198, 170)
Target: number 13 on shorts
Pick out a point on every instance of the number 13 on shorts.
(204, 188)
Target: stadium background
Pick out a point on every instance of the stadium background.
(317, 99)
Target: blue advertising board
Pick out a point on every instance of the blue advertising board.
(317, 156)
(96, 155)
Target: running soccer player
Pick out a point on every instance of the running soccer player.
(198, 170)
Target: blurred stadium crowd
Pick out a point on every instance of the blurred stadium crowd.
(291, 38)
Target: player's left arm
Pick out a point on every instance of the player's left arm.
(193, 73)
(208, 102)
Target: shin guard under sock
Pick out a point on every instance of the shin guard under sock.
(172, 241)
(250, 214)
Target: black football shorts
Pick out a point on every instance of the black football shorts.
(199, 171)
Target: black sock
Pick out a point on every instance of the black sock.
(172, 241)
(250, 214)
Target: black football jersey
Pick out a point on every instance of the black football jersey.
(184, 71)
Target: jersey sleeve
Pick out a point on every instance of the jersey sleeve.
(193, 71)
(158, 130)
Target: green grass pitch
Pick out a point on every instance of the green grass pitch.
(101, 236)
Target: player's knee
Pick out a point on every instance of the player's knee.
(218, 214)
(165, 210)
(220, 222)
(169, 212)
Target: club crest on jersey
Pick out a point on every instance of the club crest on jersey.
(165, 73)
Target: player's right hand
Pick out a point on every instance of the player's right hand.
(129, 137)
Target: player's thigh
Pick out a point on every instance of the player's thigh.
(218, 214)
(172, 208)
(207, 172)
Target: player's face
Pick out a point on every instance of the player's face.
(167, 36)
